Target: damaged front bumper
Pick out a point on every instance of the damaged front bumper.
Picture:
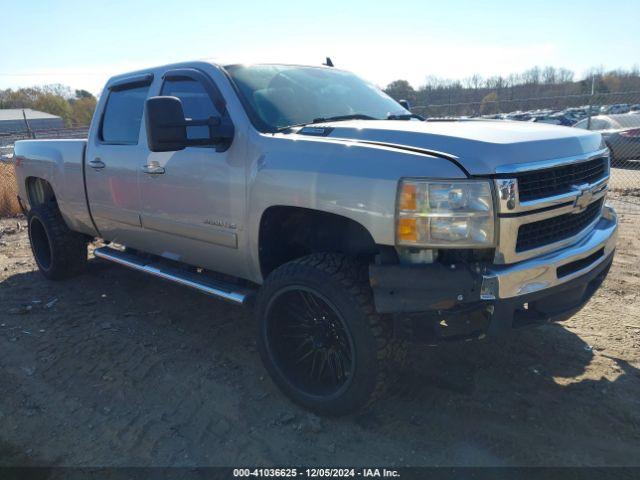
(436, 302)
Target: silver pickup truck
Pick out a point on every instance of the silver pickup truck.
(348, 223)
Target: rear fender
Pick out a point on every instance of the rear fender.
(60, 164)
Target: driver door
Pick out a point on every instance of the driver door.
(192, 200)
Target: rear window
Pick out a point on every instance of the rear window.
(594, 124)
(123, 115)
(600, 125)
(627, 121)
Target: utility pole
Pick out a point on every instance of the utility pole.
(26, 122)
(593, 89)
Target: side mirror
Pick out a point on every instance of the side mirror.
(166, 125)
(405, 104)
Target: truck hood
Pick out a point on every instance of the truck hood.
(479, 146)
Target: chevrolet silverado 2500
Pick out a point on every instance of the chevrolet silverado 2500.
(350, 224)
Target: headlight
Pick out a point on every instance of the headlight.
(456, 213)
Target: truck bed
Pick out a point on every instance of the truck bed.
(61, 163)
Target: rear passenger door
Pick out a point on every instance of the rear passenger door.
(112, 159)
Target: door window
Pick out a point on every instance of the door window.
(196, 102)
(123, 115)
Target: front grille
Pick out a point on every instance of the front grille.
(555, 181)
(555, 229)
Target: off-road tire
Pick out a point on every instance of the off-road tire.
(59, 252)
(344, 282)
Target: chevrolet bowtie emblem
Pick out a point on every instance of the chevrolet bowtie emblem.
(583, 200)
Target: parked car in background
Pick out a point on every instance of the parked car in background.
(615, 109)
(575, 114)
(546, 119)
(621, 134)
(6, 153)
(520, 116)
(635, 108)
(554, 119)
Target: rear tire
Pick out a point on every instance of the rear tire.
(59, 252)
(320, 338)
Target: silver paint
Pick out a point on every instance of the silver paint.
(507, 281)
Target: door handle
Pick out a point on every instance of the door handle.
(96, 163)
(153, 169)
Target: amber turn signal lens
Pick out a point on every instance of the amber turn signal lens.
(408, 197)
(407, 230)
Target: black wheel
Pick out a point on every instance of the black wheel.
(58, 251)
(320, 338)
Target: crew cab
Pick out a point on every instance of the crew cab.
(349, 224)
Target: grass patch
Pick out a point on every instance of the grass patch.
(8, 191)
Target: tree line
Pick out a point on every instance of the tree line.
(538, 87)
(75, 107)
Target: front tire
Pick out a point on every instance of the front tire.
(320, 338)
(59, 252)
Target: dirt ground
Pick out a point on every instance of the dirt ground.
(115, 368)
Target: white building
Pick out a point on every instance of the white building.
(12, 120)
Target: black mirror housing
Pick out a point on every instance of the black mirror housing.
(405, 104)
(165, 124)
(167, 127)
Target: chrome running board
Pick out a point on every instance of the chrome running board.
(226, 291)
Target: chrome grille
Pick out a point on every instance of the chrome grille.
(555, 229)
(548, 205)
(555, 181)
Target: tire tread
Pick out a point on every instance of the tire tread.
(352, 276)
(68, 248)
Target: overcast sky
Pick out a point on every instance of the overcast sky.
(82, 43)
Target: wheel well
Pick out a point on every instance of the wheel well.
(287, 233)
(40, 191)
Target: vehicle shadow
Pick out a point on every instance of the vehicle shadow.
(540, 396)
(166, 376)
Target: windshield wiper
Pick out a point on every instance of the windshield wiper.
(337, 118)
(405, 116)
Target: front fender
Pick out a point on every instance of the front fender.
(356, 181)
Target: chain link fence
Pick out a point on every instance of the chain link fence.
(8, 201)
(8, 193)
(615, 115)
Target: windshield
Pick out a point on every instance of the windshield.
(279, 96)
